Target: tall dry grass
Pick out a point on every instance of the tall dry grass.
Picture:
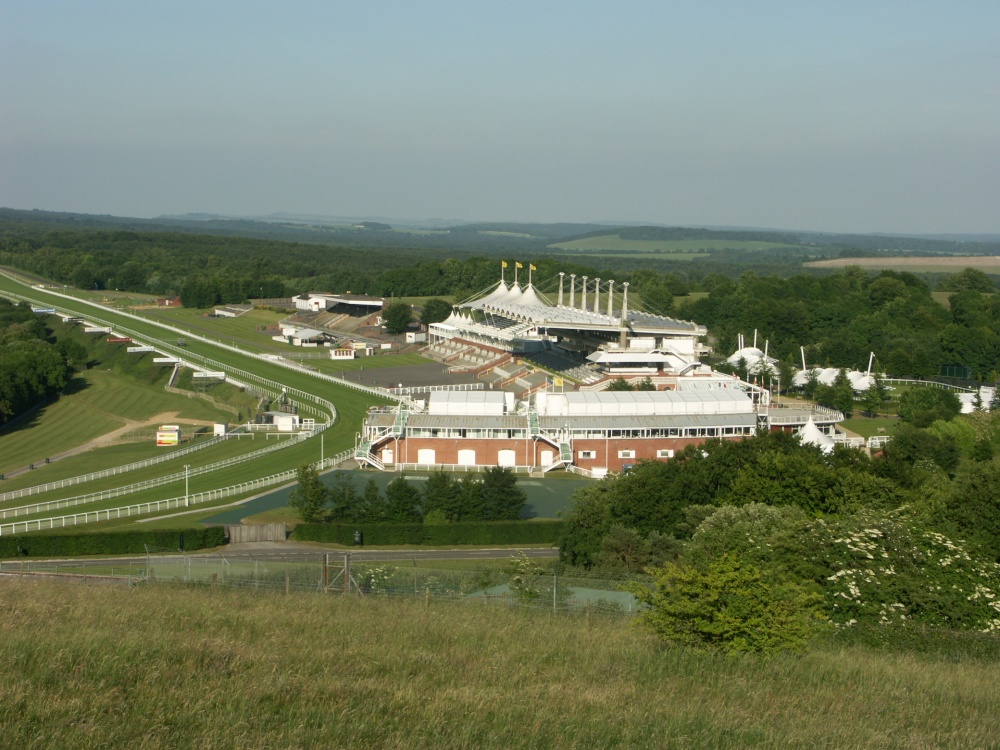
(174, 667)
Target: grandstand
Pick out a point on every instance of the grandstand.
(587, 321)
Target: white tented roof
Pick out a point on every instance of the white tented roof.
(810, 434)
(643, 403)
(467, 403)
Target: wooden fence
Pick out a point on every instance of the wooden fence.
(264, 532)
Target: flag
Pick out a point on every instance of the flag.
(503, 264)
(532, 267)
(557, 381)
(518, 264)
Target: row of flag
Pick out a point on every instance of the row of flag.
(518, 264)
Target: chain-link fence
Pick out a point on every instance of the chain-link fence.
(513, 582)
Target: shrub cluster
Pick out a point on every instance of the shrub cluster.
(492, 532)
(110, 542)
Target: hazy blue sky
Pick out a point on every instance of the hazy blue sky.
(840, 116)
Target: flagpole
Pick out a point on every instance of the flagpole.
(516, 266)
(503, 265)
(529, 273)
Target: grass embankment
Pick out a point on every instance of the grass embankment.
(97, 403)
(164, 667)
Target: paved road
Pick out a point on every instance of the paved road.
(277, 551)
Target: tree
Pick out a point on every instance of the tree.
(876, 395)
(371, 505)
(843, 394)
(730, 606)
(619, 384)
(403, 501)
(343, 498)
(310, 496)
(646, 384)
(434, 311)
(971, 279)
(503, 499)
(397, 317)
(442, 493)
(922, 405)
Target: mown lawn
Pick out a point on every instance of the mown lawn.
(98, 403)
(168, 667)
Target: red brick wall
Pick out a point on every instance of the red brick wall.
(529, 452)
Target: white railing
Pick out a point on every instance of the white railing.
(878, 441)
(852, 442)
(454, 467)
(59, 484)
(410, 390)
(930, 383)
(93, 497)
(155, 506)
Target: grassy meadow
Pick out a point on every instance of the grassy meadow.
(989, 264)
(168, 667)
(682, 248)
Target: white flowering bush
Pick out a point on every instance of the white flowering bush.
(377, 580)
(883, 569)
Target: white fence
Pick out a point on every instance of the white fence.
(155, 506)
(93, 497)
(410, 390)
(58, 485)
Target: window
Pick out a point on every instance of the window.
(626, 454)
(587, 454)
(665, 453)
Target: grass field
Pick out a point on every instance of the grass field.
(167, 667)
(101, 402)
(242, 331)
(867, 427)
(935, 264)
(682, 248)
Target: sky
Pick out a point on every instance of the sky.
(829, 116)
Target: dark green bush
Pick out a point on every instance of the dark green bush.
(109, 542)
(473, 532)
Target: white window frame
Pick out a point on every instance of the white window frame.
(665, 453)
(626, 454)
(586, 454)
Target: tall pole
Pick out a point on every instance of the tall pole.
(583, 294)
(187, 468)
(561, 275)
(572, 290)
(611, 295)
(597, 295)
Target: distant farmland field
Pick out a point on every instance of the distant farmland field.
(947, 264)
(683, 248)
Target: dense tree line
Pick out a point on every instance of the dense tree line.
(910, 535)
(32, 367)
(842, 317)
(493, 495)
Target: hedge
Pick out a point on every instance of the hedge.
(109, 542)
(466, 532)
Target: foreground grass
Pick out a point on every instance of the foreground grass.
(163, 667)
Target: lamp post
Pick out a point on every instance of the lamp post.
(186, 472)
